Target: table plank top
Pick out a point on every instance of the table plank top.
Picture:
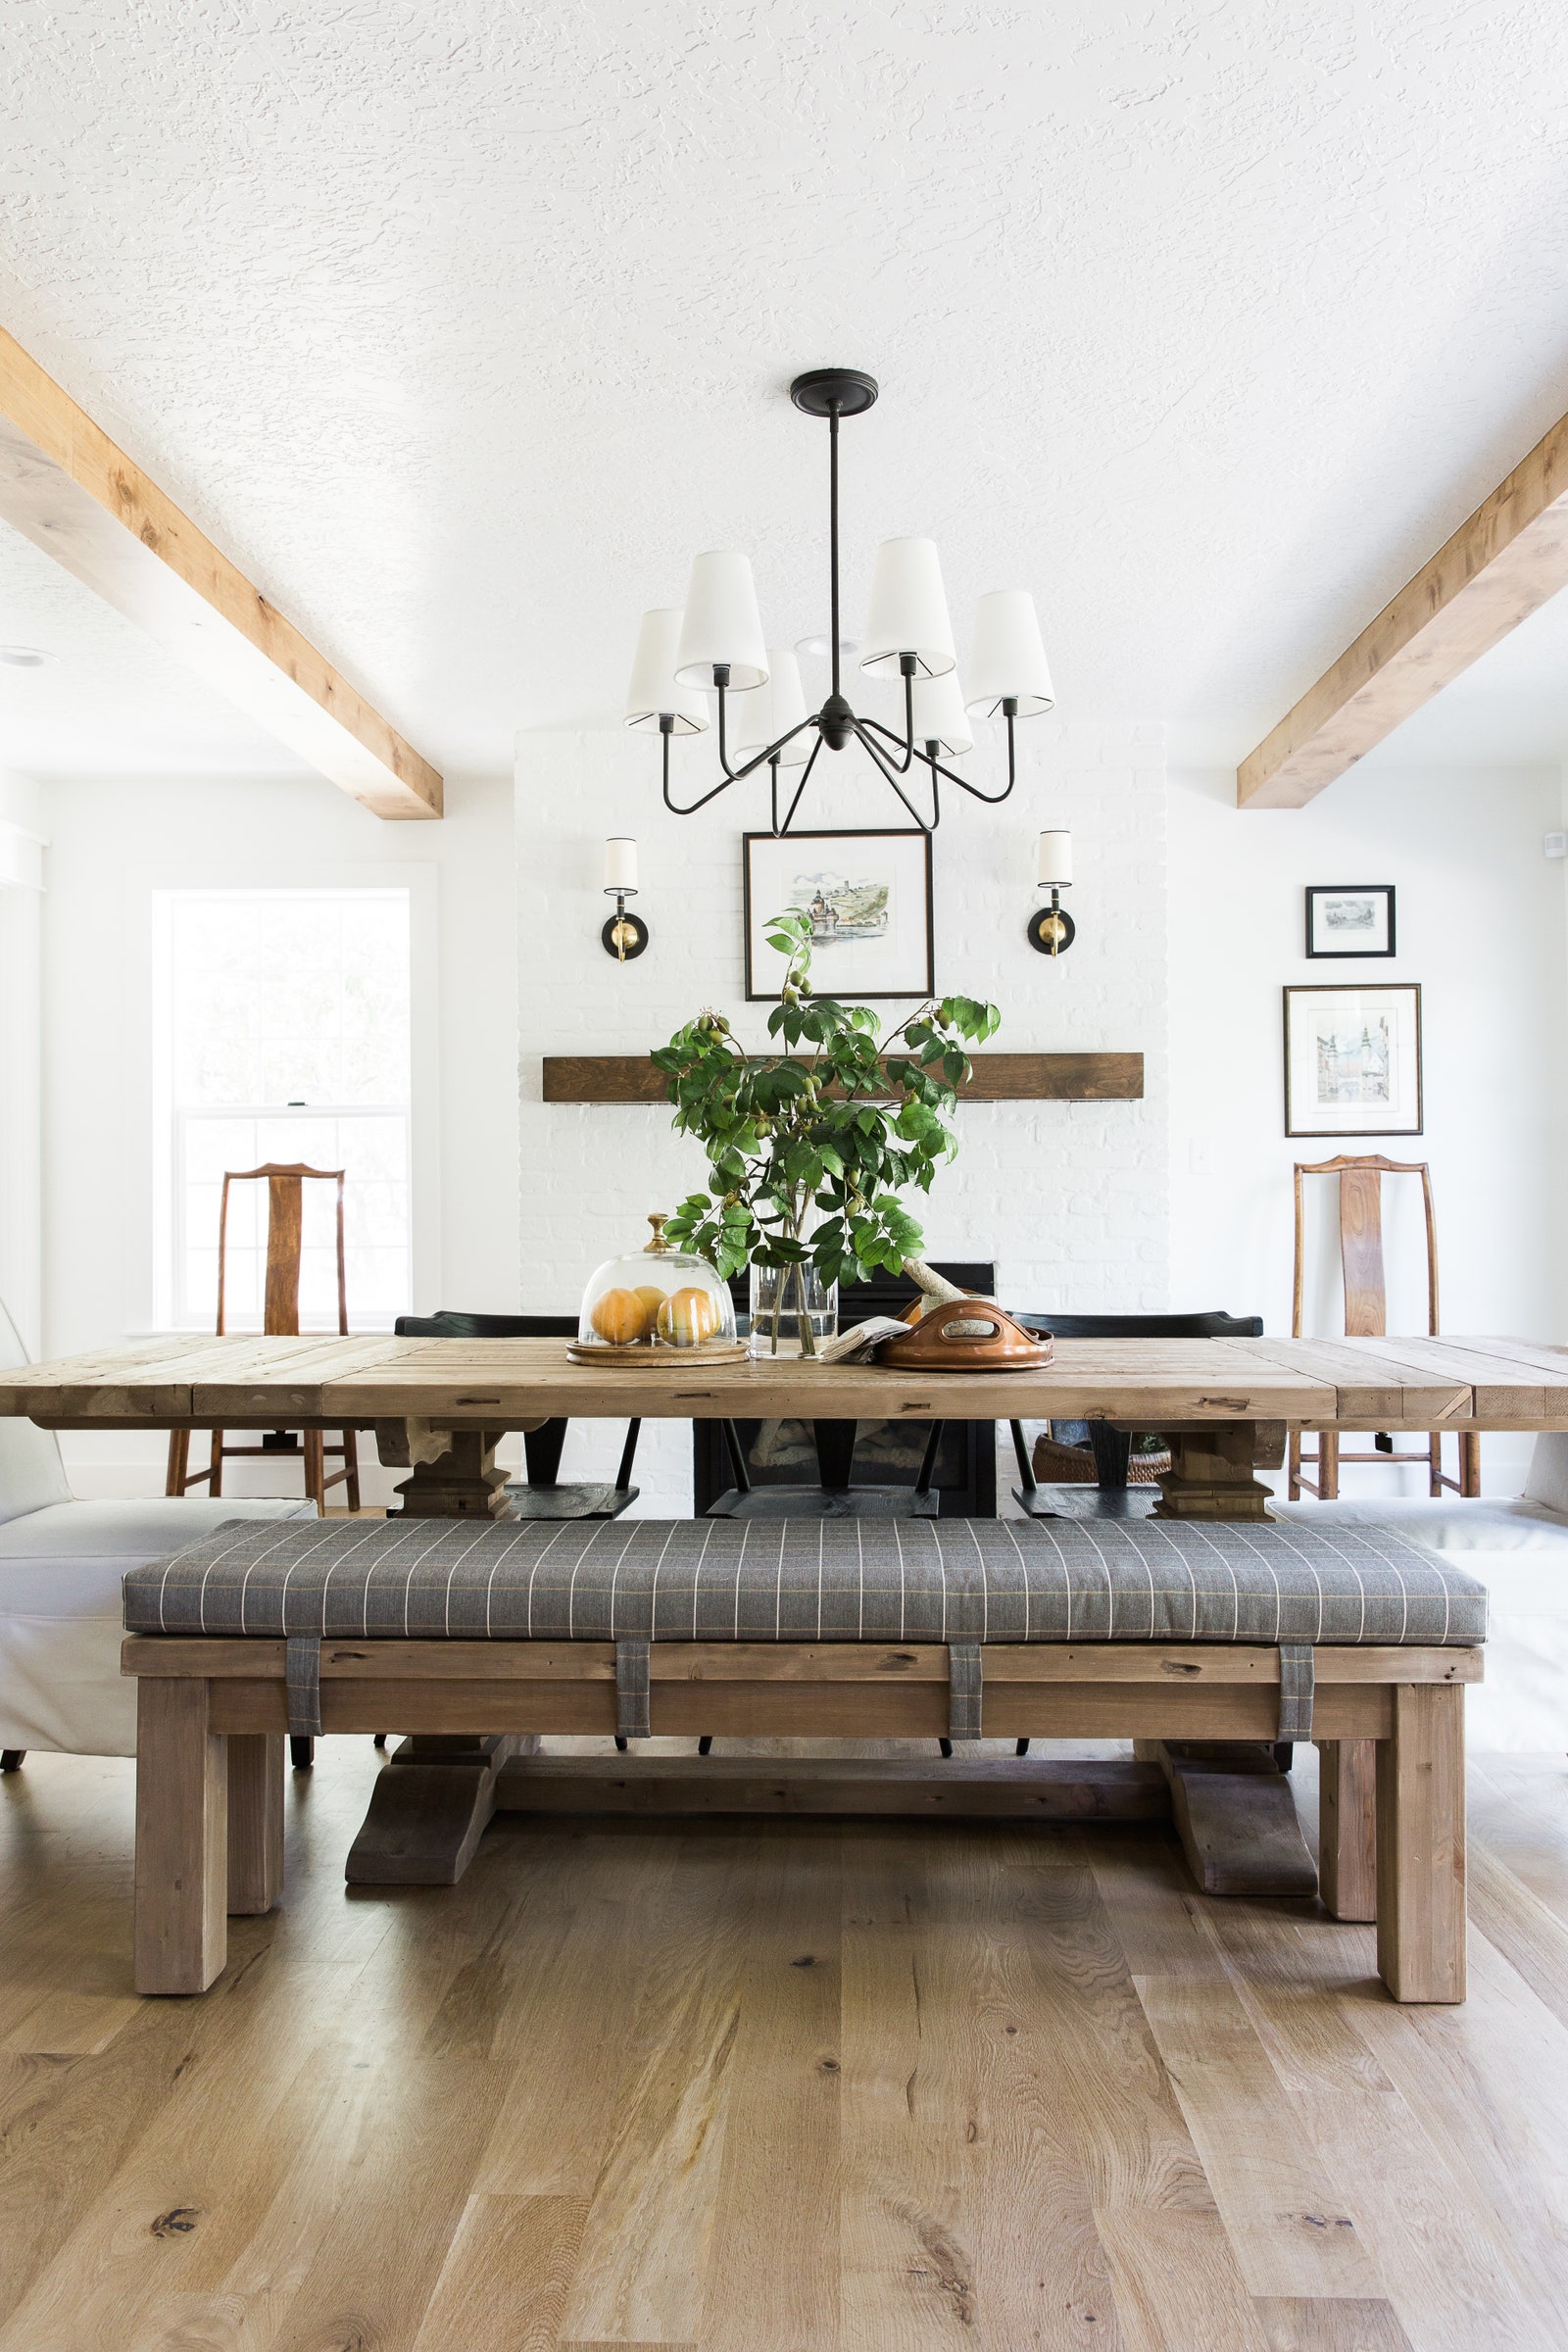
(258, 1383)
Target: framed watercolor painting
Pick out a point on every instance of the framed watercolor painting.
(1353, 1061)
(1354, 918)
(868, 896)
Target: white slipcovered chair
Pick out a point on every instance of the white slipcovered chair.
(61, 1562)
(1519, 1551)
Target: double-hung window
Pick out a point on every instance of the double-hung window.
(283, 1035)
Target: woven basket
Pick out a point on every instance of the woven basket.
(1058, 1465)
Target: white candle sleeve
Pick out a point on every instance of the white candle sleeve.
(1055, 861)
(621, 865)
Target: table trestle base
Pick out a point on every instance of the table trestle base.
(429, 1809)
(1234, 1812)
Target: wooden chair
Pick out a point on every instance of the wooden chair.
(285, 1209)
(1366, 1317)
(1111, 1495)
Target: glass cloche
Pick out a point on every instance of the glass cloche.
(660, 1298)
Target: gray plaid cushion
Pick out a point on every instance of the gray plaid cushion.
(810, 1580)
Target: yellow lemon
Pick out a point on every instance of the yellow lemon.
(620, 1316)
(687, 1318)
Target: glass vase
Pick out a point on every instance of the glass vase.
(793, 1311)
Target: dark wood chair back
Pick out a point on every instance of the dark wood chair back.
(1366, 1304)
(1214, 1324)
(285, 1184)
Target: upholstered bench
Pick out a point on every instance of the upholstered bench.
(1155, 1630)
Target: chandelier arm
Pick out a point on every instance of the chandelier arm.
(723, 785)
(991, 799)
(891, 773)
(905, 741)
(780, 829)
(770, 751)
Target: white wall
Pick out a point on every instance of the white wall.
(1070, 1199)
(112, 845)
(22, 877)
(1480, 926)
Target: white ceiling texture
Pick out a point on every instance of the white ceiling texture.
(461, 324)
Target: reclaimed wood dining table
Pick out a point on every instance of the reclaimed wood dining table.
(439, 1408)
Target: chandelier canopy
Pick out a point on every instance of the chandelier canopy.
(715, 645)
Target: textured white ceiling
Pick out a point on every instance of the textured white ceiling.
(460, 323)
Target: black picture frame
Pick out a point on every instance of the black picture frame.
(1297, 1114)
(925, 985)
(1348, 889)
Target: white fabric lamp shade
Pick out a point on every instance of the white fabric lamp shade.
(1055, 861)
(621, 864)
(652, 692)
(939, 716)
(774, 707)
(908, 611)
(1008, 662)
(722, 626)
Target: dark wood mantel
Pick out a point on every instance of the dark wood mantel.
(998, 1078)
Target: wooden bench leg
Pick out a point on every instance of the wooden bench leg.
(1420, 1833)
(182, 1933)
(1346, 1844)
(255, 1820)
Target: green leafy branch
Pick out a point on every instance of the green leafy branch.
(830, 1126)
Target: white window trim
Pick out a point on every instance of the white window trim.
(150, 1277)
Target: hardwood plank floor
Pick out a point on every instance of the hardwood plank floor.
(774, 2086)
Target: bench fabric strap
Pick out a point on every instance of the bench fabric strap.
(303, 1667)
(631, 1690)
(1296, 1690)
(964, 1689)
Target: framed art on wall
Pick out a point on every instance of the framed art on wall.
(1353, 1061)
(1353, 918)
(868, 896)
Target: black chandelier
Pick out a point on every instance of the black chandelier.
(715, 645)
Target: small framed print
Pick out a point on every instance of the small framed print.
(1354, 918)
(1353, 1061)
(868, 896)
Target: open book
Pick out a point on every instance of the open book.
(858, 1344)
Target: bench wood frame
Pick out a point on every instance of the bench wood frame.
(213, 1715)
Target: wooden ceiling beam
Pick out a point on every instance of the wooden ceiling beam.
(1498, 567)
(66, 487)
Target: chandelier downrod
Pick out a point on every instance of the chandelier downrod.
(834, 393)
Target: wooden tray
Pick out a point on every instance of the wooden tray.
(637, 1355)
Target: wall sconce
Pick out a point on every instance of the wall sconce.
(624, 935)
(1052, 929)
